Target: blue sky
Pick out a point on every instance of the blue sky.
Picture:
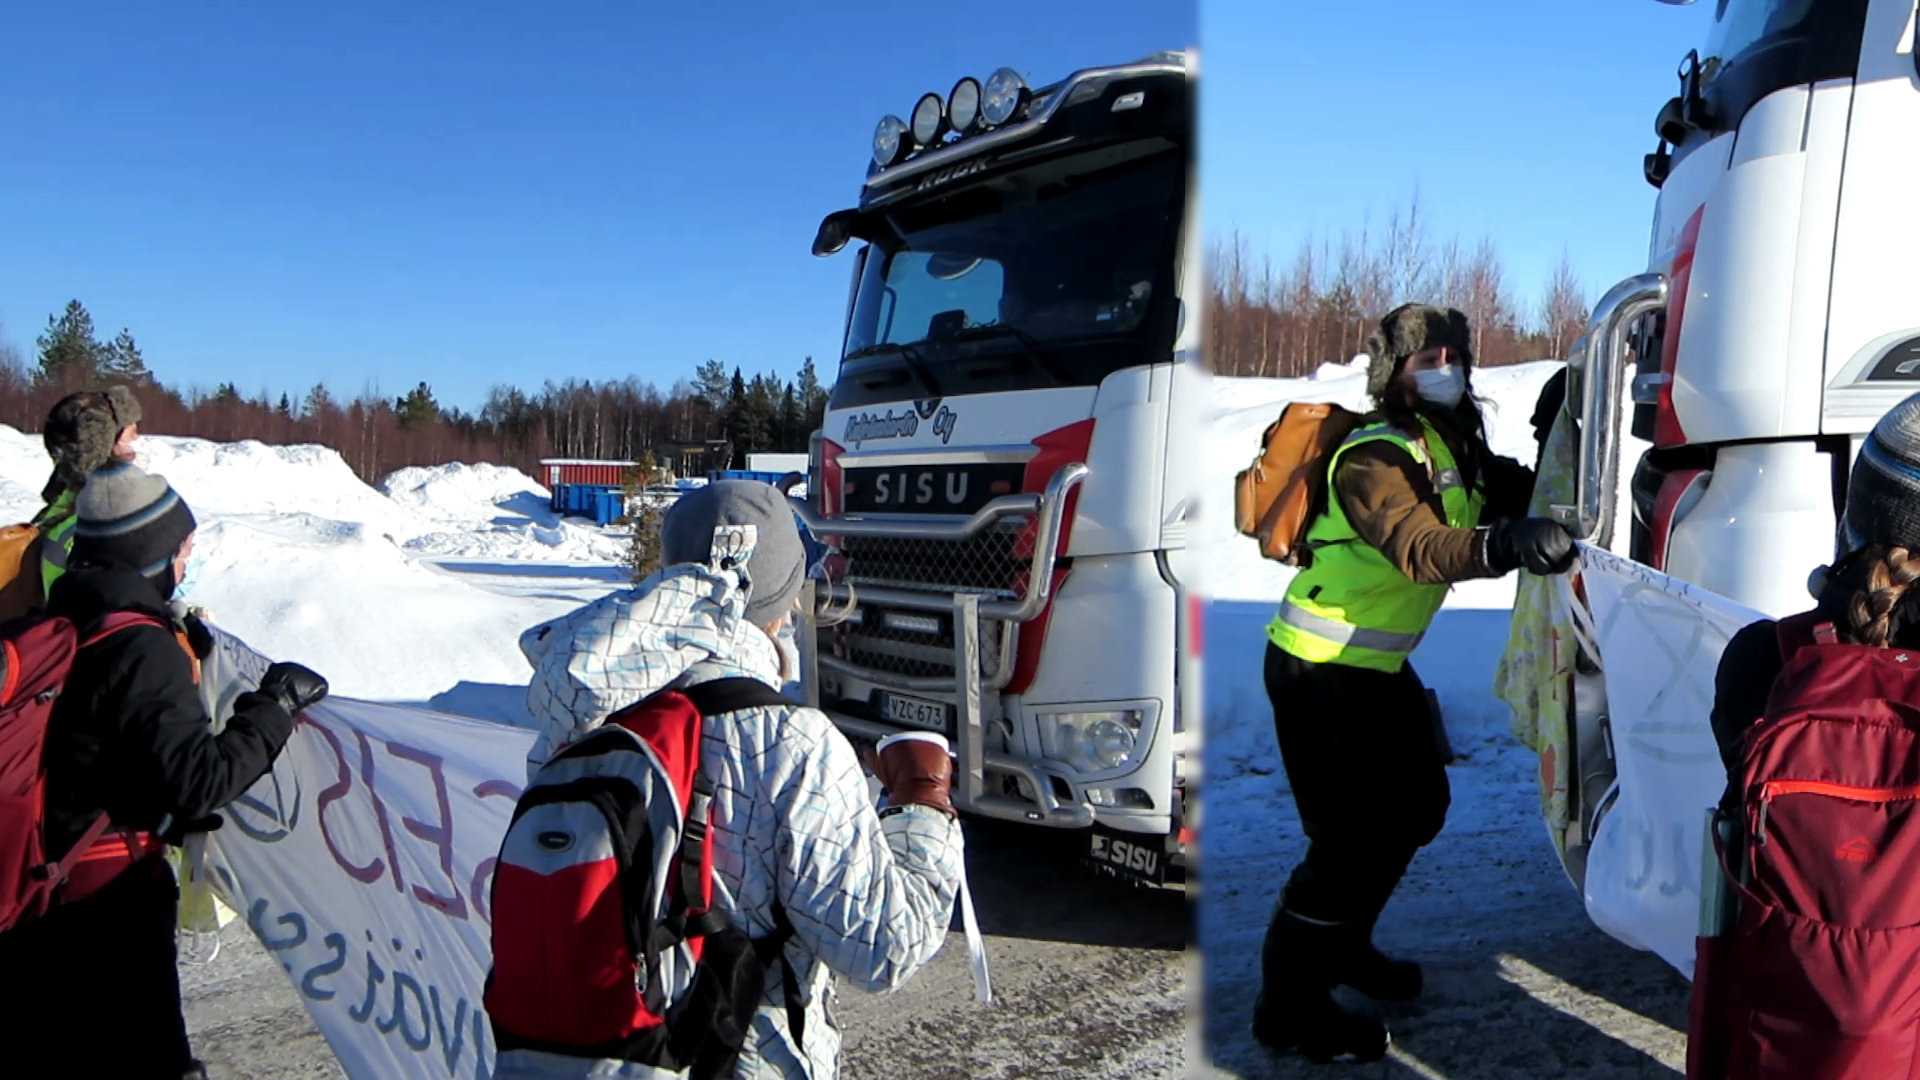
(472, 193)
(1518, 120)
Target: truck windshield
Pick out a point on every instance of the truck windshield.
(1057, 274)
(1757, 47)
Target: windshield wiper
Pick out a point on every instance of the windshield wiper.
(1028, 344)
(908, 356)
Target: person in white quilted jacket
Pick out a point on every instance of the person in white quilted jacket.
(869, 896)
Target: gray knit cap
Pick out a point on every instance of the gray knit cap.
(774, 558)
(1408, 329)
(1883, 496)
(130, 516)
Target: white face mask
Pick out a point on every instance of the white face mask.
(1443, 386)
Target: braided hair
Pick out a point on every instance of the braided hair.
(1872, 610)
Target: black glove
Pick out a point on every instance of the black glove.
(177, 831)
(1541, 545)
(198, 636)
(294, 687)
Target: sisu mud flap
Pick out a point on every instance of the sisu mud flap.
(1140, 858)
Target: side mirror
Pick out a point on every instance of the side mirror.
(836, 230)
(1657, 166)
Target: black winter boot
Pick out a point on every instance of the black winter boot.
(1295, 1009)
(1373, 973)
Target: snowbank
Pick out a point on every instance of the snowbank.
(305, 562)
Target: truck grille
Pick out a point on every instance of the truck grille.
(919, 644)
(985, 564)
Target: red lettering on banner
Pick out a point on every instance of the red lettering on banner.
(371, 872)
(485, 789)
(440, 835)
(379, 808)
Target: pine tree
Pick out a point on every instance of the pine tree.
(643, 518)
(813, 397)
(285, 408)
(418, 407)
(711, 385)
(121, 361)
(227, 394)
(319, 401)
(793, 422)
(69, 353)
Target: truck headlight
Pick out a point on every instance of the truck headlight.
(1091, 741)
(889, 141)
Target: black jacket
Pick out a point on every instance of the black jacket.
(1752, 659)
(130, 734)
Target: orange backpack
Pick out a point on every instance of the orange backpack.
(1277, 498)
(19, 570)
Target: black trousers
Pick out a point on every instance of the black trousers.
(92, 986)
(1365, 767)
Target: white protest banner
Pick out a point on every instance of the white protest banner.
(1659, 641)
(363, 862)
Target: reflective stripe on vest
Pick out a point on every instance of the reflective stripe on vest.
(1352, 606)
(1343, 634)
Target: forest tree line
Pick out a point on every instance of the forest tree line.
(1288, 318)
(710, 420)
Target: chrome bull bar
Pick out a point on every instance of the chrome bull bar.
(969, 684)
(1598, 359)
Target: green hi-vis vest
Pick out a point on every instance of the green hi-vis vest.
(56, 524)
(1352, 606)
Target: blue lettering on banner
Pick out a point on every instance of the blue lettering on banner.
(395, 1002)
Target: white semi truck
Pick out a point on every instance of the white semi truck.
(1776, 321)
(1006, 460)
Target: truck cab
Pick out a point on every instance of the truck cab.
(1004, 469)
(1724, 391)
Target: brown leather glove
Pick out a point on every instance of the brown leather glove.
(916, 771)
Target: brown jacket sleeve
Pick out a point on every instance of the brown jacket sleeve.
(1393, 506)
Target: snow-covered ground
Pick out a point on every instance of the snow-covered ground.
(1520, 984)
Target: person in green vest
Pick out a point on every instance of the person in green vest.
(83, 431)
(1416, 501)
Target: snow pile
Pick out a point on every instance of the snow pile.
(493, 512)
(449, 511)
(305, 562)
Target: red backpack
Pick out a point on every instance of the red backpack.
(36, 655)
(1818, 976)
(606, 941)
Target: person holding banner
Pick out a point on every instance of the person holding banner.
(132, 764)
(1416, 501)
(796, 834)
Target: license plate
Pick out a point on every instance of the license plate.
(1138, 857)
(916, 712)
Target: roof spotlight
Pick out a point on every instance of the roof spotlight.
(1005, 94)
(889, 141)
(963, 105)
(929, 119)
